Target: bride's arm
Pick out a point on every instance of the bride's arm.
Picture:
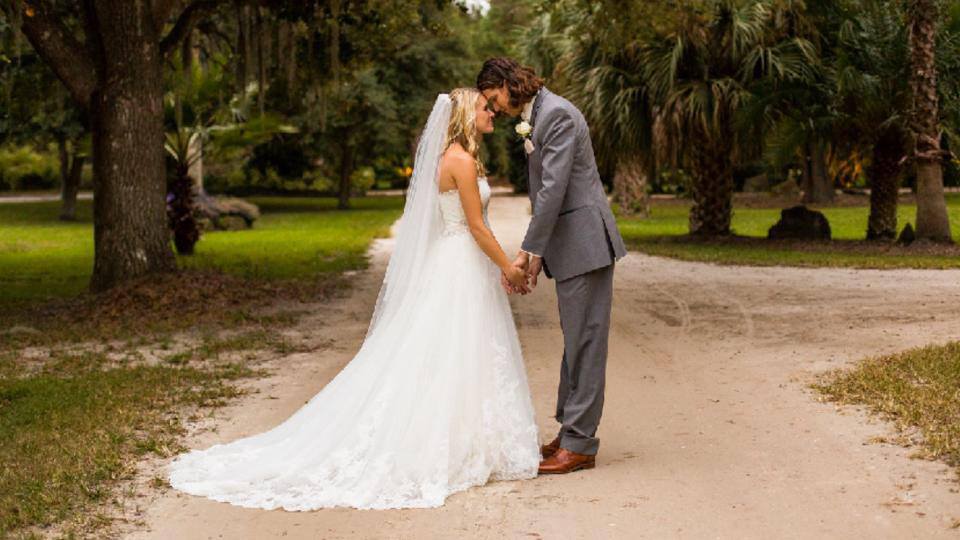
(464, 173)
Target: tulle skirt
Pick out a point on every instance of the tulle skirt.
(433, 403)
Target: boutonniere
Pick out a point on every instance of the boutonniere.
(524, 129)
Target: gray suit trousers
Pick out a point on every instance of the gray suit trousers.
(585, 301)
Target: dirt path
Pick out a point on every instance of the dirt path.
(708, 429)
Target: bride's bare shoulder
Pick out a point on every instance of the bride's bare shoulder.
(456, 154)
(457, 162)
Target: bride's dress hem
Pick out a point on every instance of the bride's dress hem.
(300, 507)
(435, 401)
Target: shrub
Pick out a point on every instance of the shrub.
(363, 179)
(21, 167)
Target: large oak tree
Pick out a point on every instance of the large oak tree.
(110, 54)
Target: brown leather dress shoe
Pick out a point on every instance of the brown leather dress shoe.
(550, 449)
(564, 461)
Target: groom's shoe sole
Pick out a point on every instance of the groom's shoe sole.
(573, 469)
(565, 461)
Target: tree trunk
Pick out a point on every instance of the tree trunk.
(346, 171)
(195, 154)
(630, 187)
(292, 64)
(933, 222)
(884, 177)
(712, 188)
(278, 49)
(64, 155)
(186, 54)
(130, 226)
(241, 54)
(817, 185)
(115, 74)
(71, 187)
(335, 42)
(261, 61)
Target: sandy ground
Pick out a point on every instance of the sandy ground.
(709, 430)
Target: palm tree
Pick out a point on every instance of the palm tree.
(869, 97)
(932, 220)
(610, 90)
(701, 75)
(795, 116)
(601, 73)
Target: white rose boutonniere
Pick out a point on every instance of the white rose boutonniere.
(524, 129)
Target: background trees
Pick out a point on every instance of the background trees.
(326, 97)
(339, 70)
(713, 86)
(110, 59)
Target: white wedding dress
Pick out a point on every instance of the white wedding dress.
(435, 401)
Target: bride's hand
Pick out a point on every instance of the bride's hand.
(505, 283)
(517, 277)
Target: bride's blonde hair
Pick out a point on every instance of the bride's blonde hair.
(463, 123)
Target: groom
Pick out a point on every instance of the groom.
(573, 238)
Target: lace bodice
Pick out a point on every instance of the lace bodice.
(454, 220)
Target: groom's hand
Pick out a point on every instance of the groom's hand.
(522, 260)
(521, 263)
(533, 270)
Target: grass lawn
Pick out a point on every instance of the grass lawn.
(42, 257)
(78, 424)
(75, 416)
(665, 233)
(918, 389)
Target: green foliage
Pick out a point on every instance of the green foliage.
(42, 257)
(869, 75)
(22, 167)
(948, 69)
(35, 106)
(35, 110)
(705, 70)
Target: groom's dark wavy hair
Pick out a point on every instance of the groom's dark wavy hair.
(522, 82)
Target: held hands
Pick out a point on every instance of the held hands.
(521, 276)
(514, 280)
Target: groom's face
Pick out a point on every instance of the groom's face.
(498, 101)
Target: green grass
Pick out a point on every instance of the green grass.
(919, 390)
(42, 257)
(75, 421)
(664, 233)
(71, 430)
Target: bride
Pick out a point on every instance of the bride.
(436, 400)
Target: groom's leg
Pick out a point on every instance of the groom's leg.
(563, 390)
(585, 302)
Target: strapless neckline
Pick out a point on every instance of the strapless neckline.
(454, 190)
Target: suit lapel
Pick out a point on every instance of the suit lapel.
(537, 102)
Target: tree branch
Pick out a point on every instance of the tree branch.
(162, 10)
(58, 48)
(195, 12)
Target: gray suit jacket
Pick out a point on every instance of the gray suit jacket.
(572, 228)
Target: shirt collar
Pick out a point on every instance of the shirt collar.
(528, 108)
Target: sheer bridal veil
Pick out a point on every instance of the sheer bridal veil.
(419, 227)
